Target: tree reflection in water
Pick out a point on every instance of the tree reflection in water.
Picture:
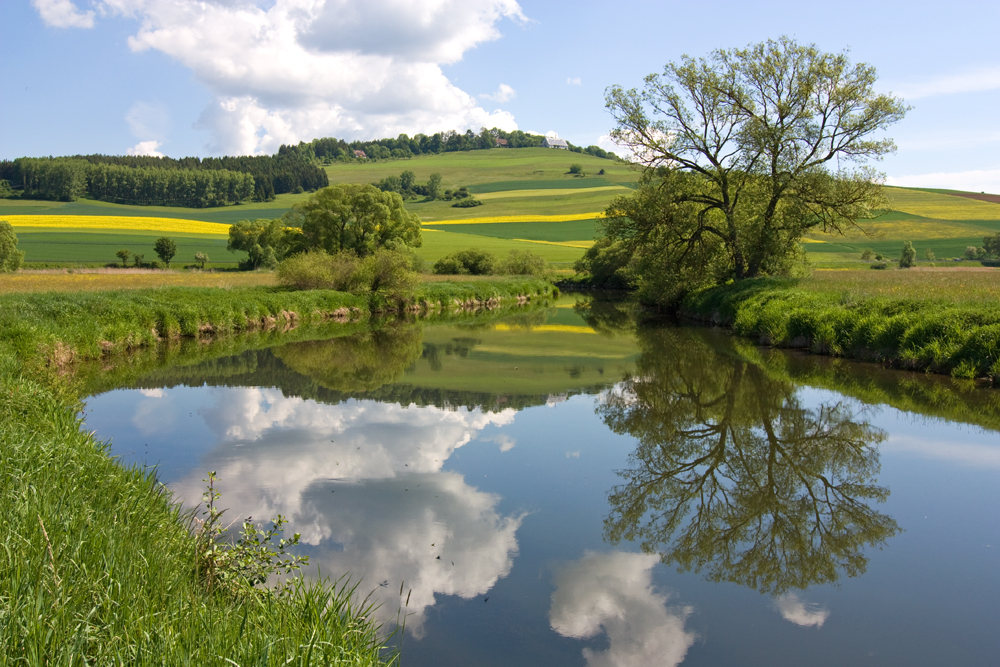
(734, 476)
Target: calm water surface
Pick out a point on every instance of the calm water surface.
(562, 488)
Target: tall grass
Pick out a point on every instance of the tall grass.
(97, 564)
(908, 326)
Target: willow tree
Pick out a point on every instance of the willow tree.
(748, 149)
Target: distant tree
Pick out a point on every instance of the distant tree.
(201, 258)
(434, 186)
(991, 244)
(406, 180)
(929, 255)
(137, 259)
(123, 255)
(867, 254)
(972, 252)
(10, 256)
(355, 217)
(165, 249)
(464, 262)
(522, 263)
(908, 258)
(262, 240)
(576, 169)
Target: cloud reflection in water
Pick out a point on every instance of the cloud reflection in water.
(363, 482)
(613, 593)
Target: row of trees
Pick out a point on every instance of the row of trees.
(404, 146)
(163, 181)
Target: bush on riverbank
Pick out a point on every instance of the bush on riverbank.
(943, 336)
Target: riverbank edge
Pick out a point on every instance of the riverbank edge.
(927, 335)
(96, 559)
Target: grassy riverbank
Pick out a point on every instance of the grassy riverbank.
(97, 564)
(943, 322)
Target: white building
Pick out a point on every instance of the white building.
(549, 142)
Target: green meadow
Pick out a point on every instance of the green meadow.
(510, 182)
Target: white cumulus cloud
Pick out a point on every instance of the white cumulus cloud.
(573, 81)
(971, 81)
(502, 94)
(145, 148)
(294, 70)
(798, 611)
(63, 14)
(613, 593)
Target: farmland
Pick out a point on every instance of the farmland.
(530, 201)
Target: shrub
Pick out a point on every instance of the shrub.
(390, 274)
(929, 255)
(472, 261)
(467, 203)
(522, 263)
(316, 269)
(972, 252)
(576, 169)
(881, 264)
(908, 257)
(867, 255)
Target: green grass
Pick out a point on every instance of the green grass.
(560, 184)
(941, 321)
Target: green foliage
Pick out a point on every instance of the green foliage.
(880, 265)
(262, 240)
(912, 330)
(737, 190)
(607, 265)
(434, 186)
(467, 203)
(385, 273)
(360, 218)
(521, 263)
(6, 192)
(123, 255)
(929, 255)
(165, 249)
(908, 258)
(137, 260)
(10, 256)
(201, 258)
(973, 252)
(991, 245)
(473, 261)
(868, 254)
(576, 169)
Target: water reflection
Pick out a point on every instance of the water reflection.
(363, 480)
(733, 475)
(613, 593)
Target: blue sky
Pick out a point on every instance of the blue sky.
(203, 77)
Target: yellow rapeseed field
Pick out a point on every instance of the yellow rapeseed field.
(941, 206)
(118, 223)
(517, 218)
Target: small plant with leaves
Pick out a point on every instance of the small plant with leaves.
(247, 563)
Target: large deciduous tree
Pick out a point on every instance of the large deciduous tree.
(361, 218)
(262, 240)
(744, 151)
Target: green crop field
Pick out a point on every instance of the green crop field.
(510, 182)
(931, 219)
(570, 230)
(56, 246)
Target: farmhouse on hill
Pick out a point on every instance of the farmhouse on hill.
(360, 154)
(501, 142)
(549, 142)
